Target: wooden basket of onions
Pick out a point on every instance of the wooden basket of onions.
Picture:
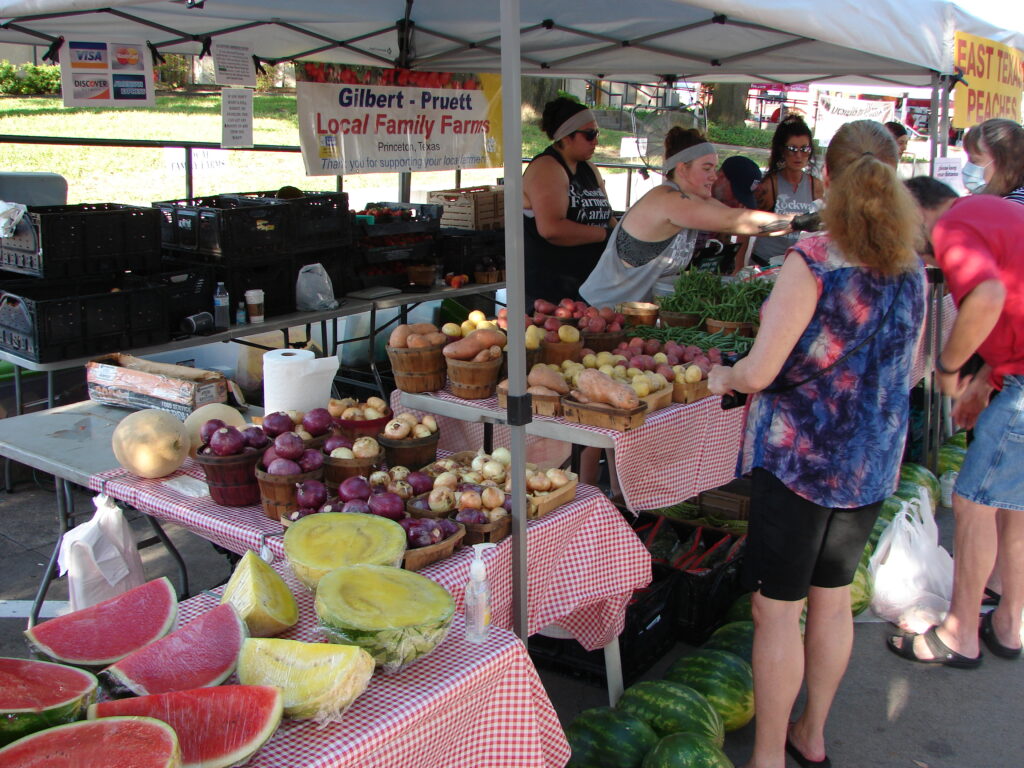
(410, 442)
(344, 458)
(548, 490)
(354, 419)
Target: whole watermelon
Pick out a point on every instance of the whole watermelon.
(686, 750)
(725, 680)
(921, 475)
(908, 491)
(959, 439)
(951, 458)
(672, 707)
(861, 590)
(736, 637)
(740, 609)
(608, 738)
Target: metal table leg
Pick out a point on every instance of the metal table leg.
(613, 672)
(64, 511)
(173, 552)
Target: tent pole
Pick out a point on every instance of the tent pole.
(511, 98)
(933, 123)
(944, 124)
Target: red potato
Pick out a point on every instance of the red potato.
(614, 327)
(544, 307)
(585, 351)
(551, 324)
(666, 371)
(539, 318)
(563, 312)
(580, 306)
(577, 314)
(592, 312)
(503, 312)
(671, 360)
(652, 347)
(551, 337)
(502, 323)
(568, 303)
(597, 325)
(620, 318)
(636, 343)
(607, 313)
(694, 350)
(639, 362)
(714, 355)
(584, 323)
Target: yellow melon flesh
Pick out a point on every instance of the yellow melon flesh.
(261, 597)
(317, 544)
(317, 680)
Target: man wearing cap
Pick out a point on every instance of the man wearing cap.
(734, 187)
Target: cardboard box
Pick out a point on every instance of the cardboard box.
(132, 382)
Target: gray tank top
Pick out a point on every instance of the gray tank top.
(787, 200)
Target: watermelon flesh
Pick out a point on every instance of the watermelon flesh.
(216, 727)
(202, 653)
(35, 695)
(608, 738)
(116, 742)
(106, 632)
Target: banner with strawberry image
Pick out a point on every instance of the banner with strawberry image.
(355, 119)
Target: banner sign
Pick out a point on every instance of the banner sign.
(995, 79)
(834, 111)
(780, 88)
(106, 73)
(368, 120)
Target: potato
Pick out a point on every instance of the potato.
(693, 374)
(569, 334)
(590, 361)
(476, 317)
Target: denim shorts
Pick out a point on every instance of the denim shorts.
(992, 473)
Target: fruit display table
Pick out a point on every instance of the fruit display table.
(461, 705)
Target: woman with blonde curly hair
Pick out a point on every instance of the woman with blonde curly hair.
(825, 431)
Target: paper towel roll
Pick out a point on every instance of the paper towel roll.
(296, 380)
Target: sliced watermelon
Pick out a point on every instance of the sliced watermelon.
(36, 694)
(202, 653)
(217, 727)
(106, 632)
(140, 742)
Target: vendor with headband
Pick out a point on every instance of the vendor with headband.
(567, 216)
(655, 238)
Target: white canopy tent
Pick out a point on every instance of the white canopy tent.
(868, 42)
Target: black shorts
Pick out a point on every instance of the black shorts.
(794, 544)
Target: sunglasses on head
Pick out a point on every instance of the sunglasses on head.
(590, 135)
(804, 150)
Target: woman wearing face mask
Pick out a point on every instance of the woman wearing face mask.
(788, 187)
(995, 154)
(656, 236)
(566, 213)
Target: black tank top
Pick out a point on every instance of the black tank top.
(554, 272)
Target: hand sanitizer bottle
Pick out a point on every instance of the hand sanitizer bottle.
(478, 597)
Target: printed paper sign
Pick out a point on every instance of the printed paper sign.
(947, 170)
(368, 120)
(105, 73)
(236, 118)
(995, 79)
(233, 64)
(834, 111)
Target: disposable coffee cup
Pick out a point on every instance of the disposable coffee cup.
(254, 305)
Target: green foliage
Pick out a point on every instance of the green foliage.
(176, 71)
(567, 95)
(739, 135)
(29, 79)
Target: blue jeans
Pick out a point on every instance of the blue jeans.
(993, 472)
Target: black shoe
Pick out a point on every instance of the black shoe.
(988, 636)
(797, 755)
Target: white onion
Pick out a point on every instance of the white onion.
(492, 497)
(365, 448)
(446, 480)
(503, 455)
(430, 422)
(493, 470)
(479, 460)
(557, 477)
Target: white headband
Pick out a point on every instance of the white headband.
(688, 154)
(574, 123)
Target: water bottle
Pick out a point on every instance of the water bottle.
(221, 308)
(240, 314)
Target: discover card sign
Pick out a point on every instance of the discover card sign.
(387, 121)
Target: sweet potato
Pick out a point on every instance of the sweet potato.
(474, 343)
(435, 337)
(543, 376)
(486, 355)
(537, 389)
(601, 388)
(400, 336)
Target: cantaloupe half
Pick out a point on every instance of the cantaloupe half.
(317, 680)
(261, 597)
(317, 544)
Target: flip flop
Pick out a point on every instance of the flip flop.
(991, 597)
(942, 653)
(805, 762)
(988, 636)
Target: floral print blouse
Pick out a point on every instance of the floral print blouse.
(838, 439)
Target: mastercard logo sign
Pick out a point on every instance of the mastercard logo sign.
(127, 56)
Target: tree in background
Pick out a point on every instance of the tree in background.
(729, 104)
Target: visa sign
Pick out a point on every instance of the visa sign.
(88, 55)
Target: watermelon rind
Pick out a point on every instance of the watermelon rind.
(958, 439)
(736, 637)
(397, 616)
(723, 678)
(686, 750)
(741, 609)
(920, 475)
(142, 742)
(90, 637)
(35, 695)
(861, 590)
(603, 737)
(951, 458)
(200, 654)
(318, 680)
(216, 727)
(672, 707)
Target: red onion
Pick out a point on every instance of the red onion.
(336, 441)
(311, 459)
(354, 488)
(357, 505)
(421, 482)
(388, 505)
(317, 421)
(277, 423)
(310, 493)
(206, 431)
(283, 467)
(255, 437)
(289, 446)
(227, 441)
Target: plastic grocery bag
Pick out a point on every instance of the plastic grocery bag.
(313, 289)
(912, 572)
(100, 557)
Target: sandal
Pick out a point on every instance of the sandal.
(991, 597)
(988, 636)
(805, 762)
(941, 652)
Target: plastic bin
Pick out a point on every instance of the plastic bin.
(45, 320)
(462, 251)
(61, 241)
(276, 278)
(188, 288)
(229, 229)
(315, 220)
(422, 217)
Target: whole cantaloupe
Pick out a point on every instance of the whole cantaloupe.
(150, 443)
(203, 414)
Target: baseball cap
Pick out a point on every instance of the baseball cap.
(743, 174)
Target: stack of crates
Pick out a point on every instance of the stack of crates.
(73, 285)
(387, 244)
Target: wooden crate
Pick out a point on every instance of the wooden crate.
(421, 557)
(690, 392)
(471, 207)
(597, 416)
(542, 405)
(538, 506)
(658, 400)
(725, 505)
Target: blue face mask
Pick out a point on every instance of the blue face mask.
(974, 176)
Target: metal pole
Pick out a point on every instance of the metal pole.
(404, 187)
(511, 97)
(188, 173)
(933, 123)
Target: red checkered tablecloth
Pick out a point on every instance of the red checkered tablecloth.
(584, 560)
(461, 705)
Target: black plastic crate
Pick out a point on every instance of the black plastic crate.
(649, 633)
(315, 220)
(420, 252)
(465, 251)
(276, 278)
(61, 241)
(421, 217)
(228, 229)
(188, 289)
(45, 321)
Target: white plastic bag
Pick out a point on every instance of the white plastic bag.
(912, 572)
(313, 289)
(100, 557)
